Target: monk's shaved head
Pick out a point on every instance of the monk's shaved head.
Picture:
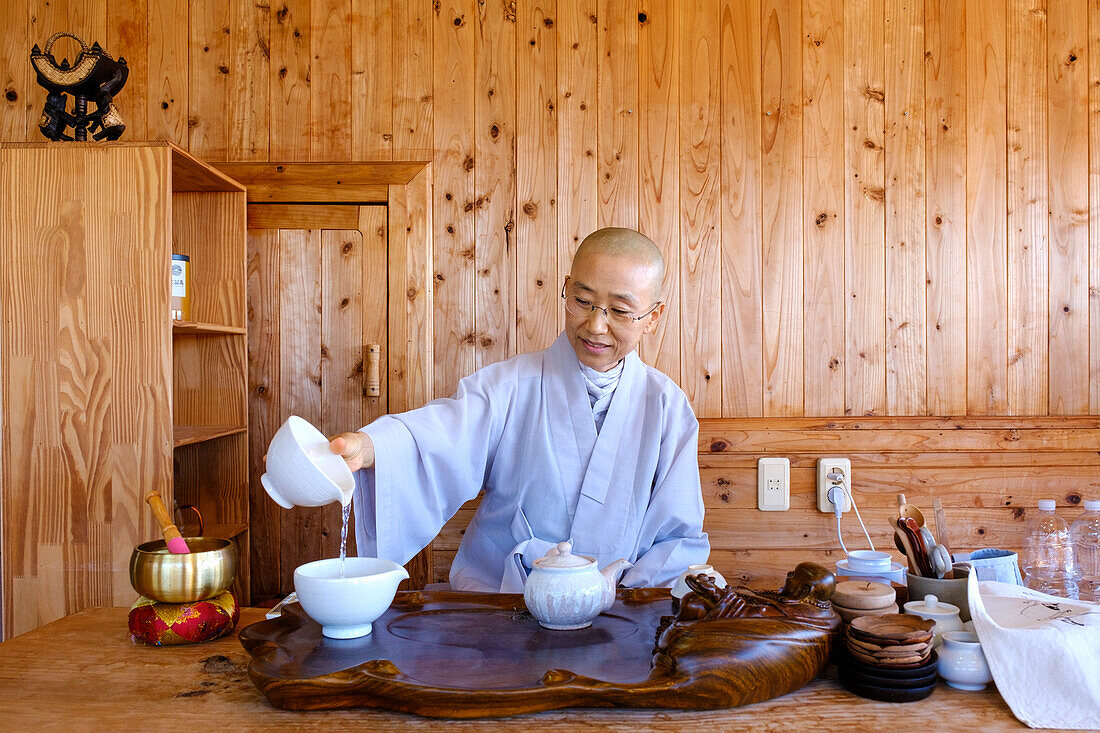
(621, 242)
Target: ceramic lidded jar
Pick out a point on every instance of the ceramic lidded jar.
(962, 663)
(566, 591)
(945, 615)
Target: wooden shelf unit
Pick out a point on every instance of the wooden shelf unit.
(210, 353)
(191, 434)
(104, 397)
(193, 327)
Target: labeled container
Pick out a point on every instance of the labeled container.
(181, 287)
(1049, 565)
(1085, 535)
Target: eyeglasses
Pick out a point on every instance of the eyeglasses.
(578, 306)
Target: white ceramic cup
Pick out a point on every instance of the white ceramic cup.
(347, 607)
(962, 663)
(302, 470)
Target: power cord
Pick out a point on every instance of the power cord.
(838, 510)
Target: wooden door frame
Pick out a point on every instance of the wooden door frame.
(405, 188)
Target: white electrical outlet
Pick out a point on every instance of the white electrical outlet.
(773, 484)
(833, 472)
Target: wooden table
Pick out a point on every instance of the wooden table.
(84, 673)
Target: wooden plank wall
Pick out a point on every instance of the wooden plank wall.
(874, 208)
(871, 207)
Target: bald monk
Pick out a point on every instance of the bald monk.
(581, 441)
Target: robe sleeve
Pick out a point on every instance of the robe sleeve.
(671, 535)
(428, 462)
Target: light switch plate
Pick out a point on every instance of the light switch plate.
(773, 484)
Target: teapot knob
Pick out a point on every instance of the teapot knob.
(564, 548)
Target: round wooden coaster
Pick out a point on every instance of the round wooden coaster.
(848, 614)
(863, 594)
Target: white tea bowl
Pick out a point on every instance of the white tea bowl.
(868, 561)
(346, 607)
(302, 470)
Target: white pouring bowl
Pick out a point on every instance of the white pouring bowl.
(347, 607)
(869, 561)
(302, 470)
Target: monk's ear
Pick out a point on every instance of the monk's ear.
(653, 319)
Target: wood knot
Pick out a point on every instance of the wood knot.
(548, 22)
(723, 481)
(718, 446)
(531, 209)
(1017, 512)
(411, 293)
(468, 163)
(11, 95)
(725, 496)
(486, 342)
(459, 21)
(643, 18)
(1073, 499)
(820, 220)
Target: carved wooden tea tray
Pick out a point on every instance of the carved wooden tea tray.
(465, 655)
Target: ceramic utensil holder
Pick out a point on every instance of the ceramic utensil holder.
(951, 591)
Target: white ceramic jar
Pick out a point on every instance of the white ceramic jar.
(945, 615)
(962, 663)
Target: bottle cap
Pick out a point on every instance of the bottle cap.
(1046, 505)
(1092, 505)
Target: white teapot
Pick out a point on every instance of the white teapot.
(567, 591)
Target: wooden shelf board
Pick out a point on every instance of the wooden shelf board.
(191, 174)
(195, 327)
(191, 434)
(226, 531)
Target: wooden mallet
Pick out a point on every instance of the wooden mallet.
(172, 536)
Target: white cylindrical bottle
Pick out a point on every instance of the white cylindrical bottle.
(1048, 554)
(1085, 534)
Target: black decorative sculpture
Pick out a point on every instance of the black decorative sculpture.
(93, 76)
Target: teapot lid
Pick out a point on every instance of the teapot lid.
(932, 606)
(561, 556)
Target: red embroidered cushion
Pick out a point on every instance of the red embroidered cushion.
(183, 623)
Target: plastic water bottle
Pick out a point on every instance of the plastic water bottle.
(1048, 554)
(1085, 534)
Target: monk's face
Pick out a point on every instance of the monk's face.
(621, 284)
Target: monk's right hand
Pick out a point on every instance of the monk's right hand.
(356, 449)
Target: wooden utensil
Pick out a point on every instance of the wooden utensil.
(908, 511)
(902, 543)
(913, 539)
(168, 528)
(941, 524)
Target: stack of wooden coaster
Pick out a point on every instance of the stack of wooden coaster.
(855, 598)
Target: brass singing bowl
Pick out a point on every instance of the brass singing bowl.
(203, 573)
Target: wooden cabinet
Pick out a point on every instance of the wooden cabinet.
(103, 396)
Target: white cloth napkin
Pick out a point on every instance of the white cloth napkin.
(1043, 652)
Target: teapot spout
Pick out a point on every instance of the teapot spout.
(611, 576)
